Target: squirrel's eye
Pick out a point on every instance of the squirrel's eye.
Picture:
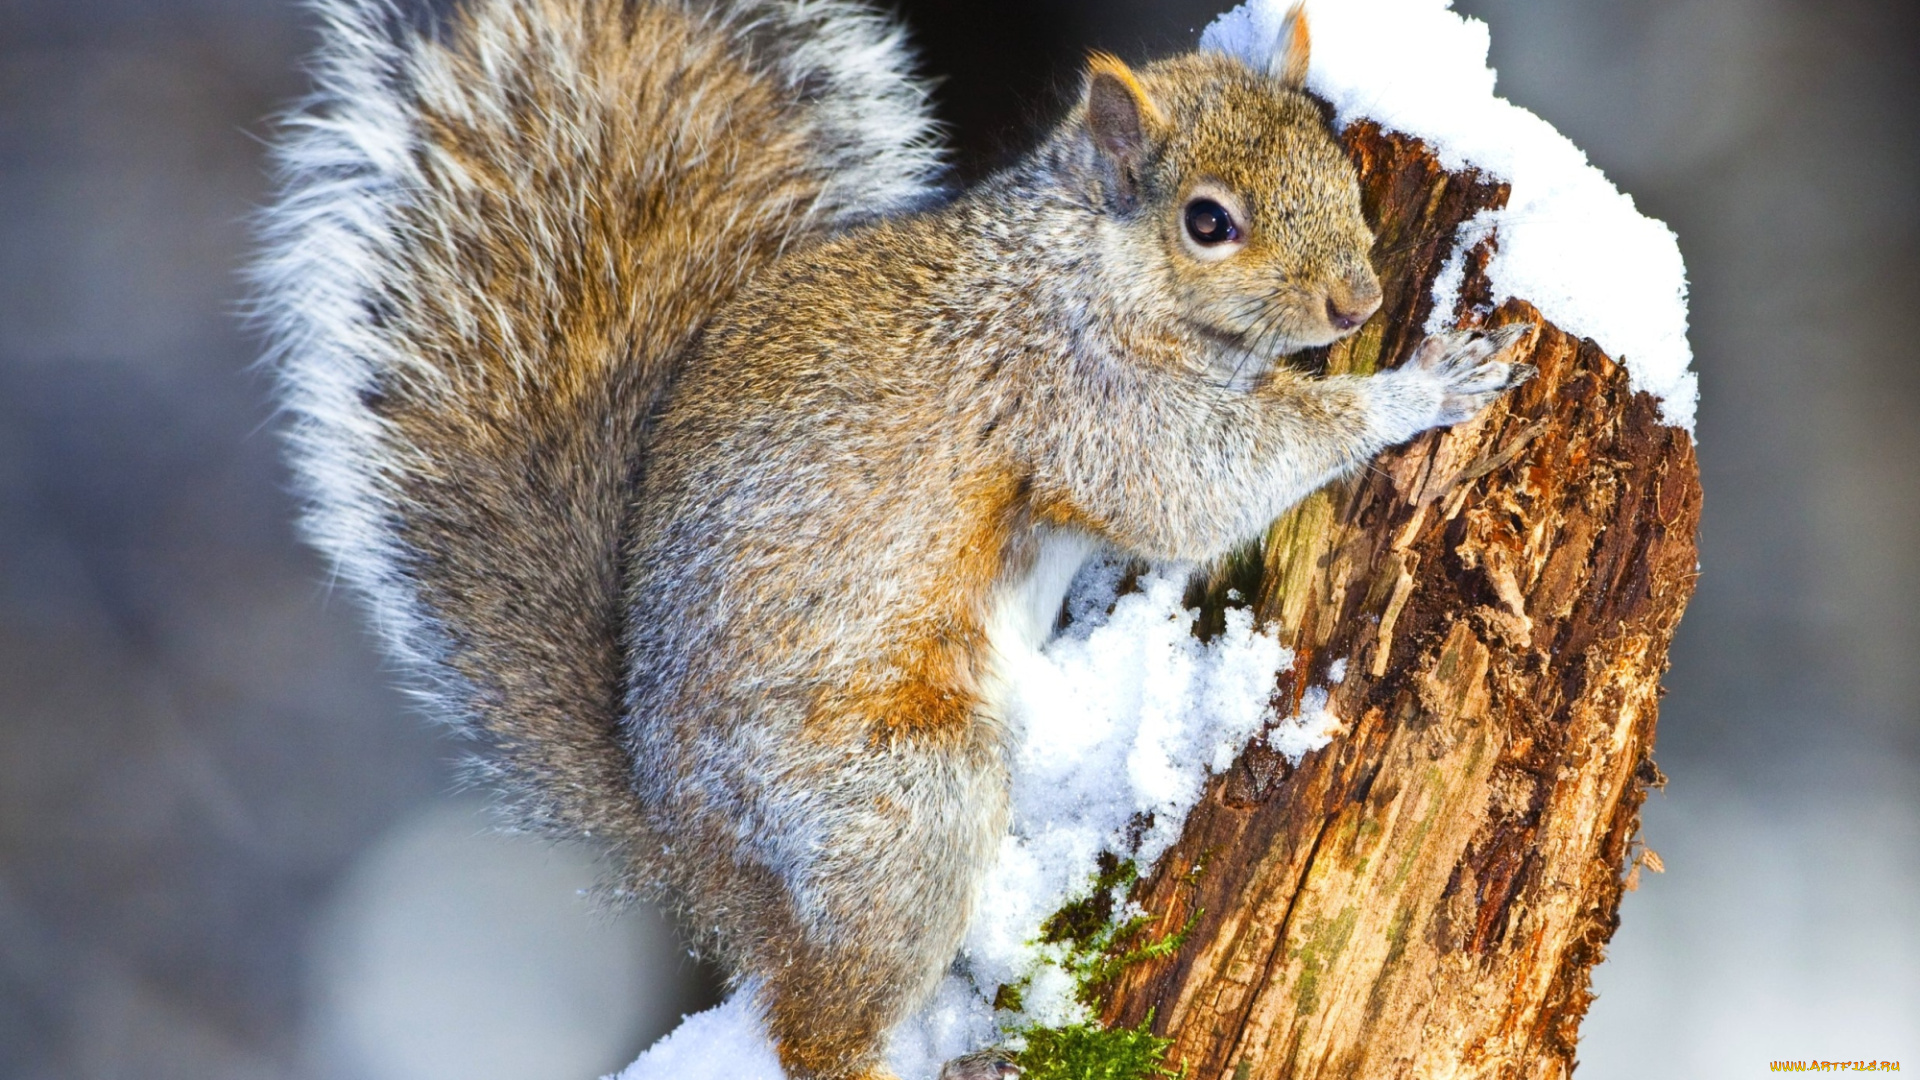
(1209, 223)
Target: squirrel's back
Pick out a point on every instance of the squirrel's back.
(494, 240)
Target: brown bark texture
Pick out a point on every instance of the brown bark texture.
(1427, 896)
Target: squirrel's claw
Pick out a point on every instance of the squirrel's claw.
(1473, 367)
(1510, 335)
(1467, 348)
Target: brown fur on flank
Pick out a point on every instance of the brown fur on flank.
(708, 496)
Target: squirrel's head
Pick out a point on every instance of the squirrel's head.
(1224, 189)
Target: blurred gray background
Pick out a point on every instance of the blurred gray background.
(227, 849)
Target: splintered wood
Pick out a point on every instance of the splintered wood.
(1488, 610)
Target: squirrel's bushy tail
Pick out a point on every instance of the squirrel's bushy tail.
(494, 239)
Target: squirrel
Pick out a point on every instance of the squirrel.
(699, 454)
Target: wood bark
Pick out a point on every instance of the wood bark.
(1427, 896)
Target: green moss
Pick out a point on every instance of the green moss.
(1098, 946)
(1435, 780)
(1091, 1052)
(1083, 921)
(1011, 998)
(1397, 938)
(1095, 946)
(1232, 583)
(1191, 879)
(1326, 940)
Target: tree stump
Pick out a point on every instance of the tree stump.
(1488, 611)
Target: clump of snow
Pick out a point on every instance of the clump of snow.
(1121, 718)
(1313, 727)
(1568, 241)
(728, 1042)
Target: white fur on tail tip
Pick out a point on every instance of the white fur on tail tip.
(345, 158)
(875, 114)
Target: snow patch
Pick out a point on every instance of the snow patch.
(727, 1042)
(1568, 241)
(1121, 717)
(1313, 727)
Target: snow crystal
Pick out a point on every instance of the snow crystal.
(1568, 241)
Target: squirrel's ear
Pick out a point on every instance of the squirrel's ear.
(1121, 119)
(1293, 48)
(1120, 115)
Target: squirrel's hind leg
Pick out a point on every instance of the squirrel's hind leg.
(821, 1028)
(833, 990)
(897, 838)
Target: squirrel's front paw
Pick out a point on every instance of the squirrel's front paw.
(1471, 368)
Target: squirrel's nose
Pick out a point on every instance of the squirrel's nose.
(1349, 306)
(1343, 320)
